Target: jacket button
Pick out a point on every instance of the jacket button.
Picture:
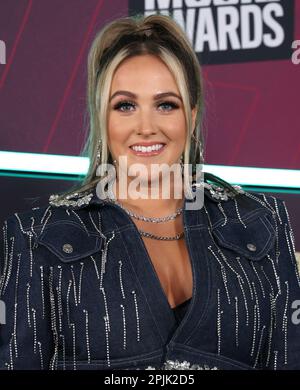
(67, 248)
(251, 247)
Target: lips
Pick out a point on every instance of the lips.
(147, 143)
(143, 148)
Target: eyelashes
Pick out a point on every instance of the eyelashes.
(127, 103)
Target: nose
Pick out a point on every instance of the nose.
(146, 125)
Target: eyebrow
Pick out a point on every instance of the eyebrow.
(156, 97)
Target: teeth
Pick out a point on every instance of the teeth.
(147, 149)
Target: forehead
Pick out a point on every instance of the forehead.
(144, 71)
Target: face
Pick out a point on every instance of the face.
(146, 109)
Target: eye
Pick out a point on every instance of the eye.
(170, 104)
(124, 104)
(119, 106)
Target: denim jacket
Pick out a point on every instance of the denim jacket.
(80, 290)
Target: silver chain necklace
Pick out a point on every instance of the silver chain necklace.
(154, 220)
(162, 238)
(150, 219)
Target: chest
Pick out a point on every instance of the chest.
(119, 297)
(172, 266)
(120, 300)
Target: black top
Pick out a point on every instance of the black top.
(180, 310)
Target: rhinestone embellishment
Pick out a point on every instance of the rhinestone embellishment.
(67, 248)
(251, 247)
(220, 193)
(177, 365)
(80, 199)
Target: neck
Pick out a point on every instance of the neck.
(161, 204)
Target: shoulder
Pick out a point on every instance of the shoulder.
(252, 217)
(57, 209)
(64, 234)
(248, 206)
(78, 209)
(45, 223)
(244, 205)
(217, 201)
(29, 221)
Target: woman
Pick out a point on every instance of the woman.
(96, 280)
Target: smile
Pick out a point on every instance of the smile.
(141, 150)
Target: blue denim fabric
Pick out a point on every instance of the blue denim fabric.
(81, 292)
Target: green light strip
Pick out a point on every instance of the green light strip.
(70, 167)
(260, 177)
(43, 163)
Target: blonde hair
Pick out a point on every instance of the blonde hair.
(126, 37)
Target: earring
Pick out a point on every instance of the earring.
(98, 151)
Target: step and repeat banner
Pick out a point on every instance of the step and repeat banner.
(249, 51)
(231, 31)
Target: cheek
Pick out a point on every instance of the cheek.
(116, 133)
(176, 131)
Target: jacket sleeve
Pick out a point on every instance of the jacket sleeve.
(286, 341)
(25, 328)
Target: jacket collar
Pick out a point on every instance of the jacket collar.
(78, 200)
(211, 191)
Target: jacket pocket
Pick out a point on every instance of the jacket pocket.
(253, 241)
(69, 241)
